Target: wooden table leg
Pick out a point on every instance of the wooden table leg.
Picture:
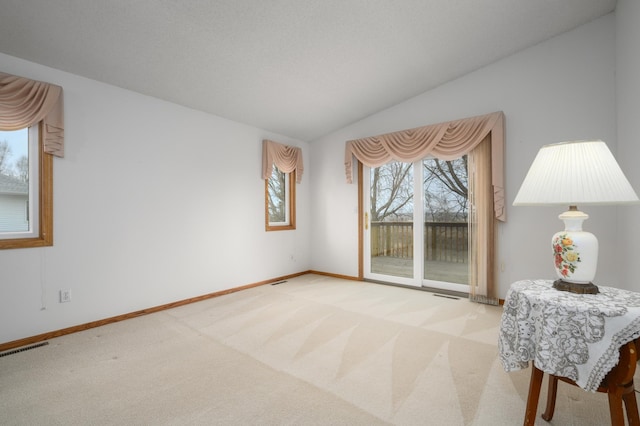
(620, 389)
(630, 403)
(534, 395)
(618, 385)
(551, 398)
(615, 408)
(629, 393)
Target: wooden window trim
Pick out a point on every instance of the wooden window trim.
(45, 213)
(292, 205)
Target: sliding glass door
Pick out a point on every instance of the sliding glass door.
(416, 224)
(389, 223)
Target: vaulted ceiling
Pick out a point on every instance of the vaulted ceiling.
(300, 68)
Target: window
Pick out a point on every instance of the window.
(282, 168)
(26, 194)
(37, 108)
(481, 138)
(280, 201)
(418, 223)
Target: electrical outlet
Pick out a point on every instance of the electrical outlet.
(65, 296)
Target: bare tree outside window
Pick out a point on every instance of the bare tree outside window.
(446, 186)
(280, 201)
(391, 192)
(16, 213)
(446, 190)
(13, 167)
(444, 243)
(5, 157)
(277, 196)
(21, 168)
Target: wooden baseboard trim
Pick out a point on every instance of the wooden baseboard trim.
(69, 330)
(328, 274)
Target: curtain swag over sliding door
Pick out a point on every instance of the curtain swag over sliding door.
(482, 138)
(445, 141)
(25, 102)
(286, 158)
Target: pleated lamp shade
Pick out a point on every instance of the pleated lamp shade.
(571, 174)
(575, 173)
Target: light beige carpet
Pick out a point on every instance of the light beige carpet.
(313, 350)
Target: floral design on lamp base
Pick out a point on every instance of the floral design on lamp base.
(575, 255)
(565, 253)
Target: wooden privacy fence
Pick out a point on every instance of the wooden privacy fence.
(443, 241)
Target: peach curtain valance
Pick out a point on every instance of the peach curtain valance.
(286, 158)
(25, 102)
(445, 141)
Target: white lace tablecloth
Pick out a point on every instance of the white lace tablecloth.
(577, 336)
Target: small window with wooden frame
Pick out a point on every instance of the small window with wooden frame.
(31, 133)
(280, 200)
(28, 181)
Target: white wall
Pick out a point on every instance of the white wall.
(628, 114)
(561, 89)
(153, 203)
(140, 217)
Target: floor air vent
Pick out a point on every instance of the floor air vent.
(485, 299)
(279, 282)
(26, 348)
(446, 296)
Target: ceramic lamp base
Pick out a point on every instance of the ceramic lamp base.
(588, 288)
(575, 251)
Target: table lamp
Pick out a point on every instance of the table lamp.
(571, 174)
